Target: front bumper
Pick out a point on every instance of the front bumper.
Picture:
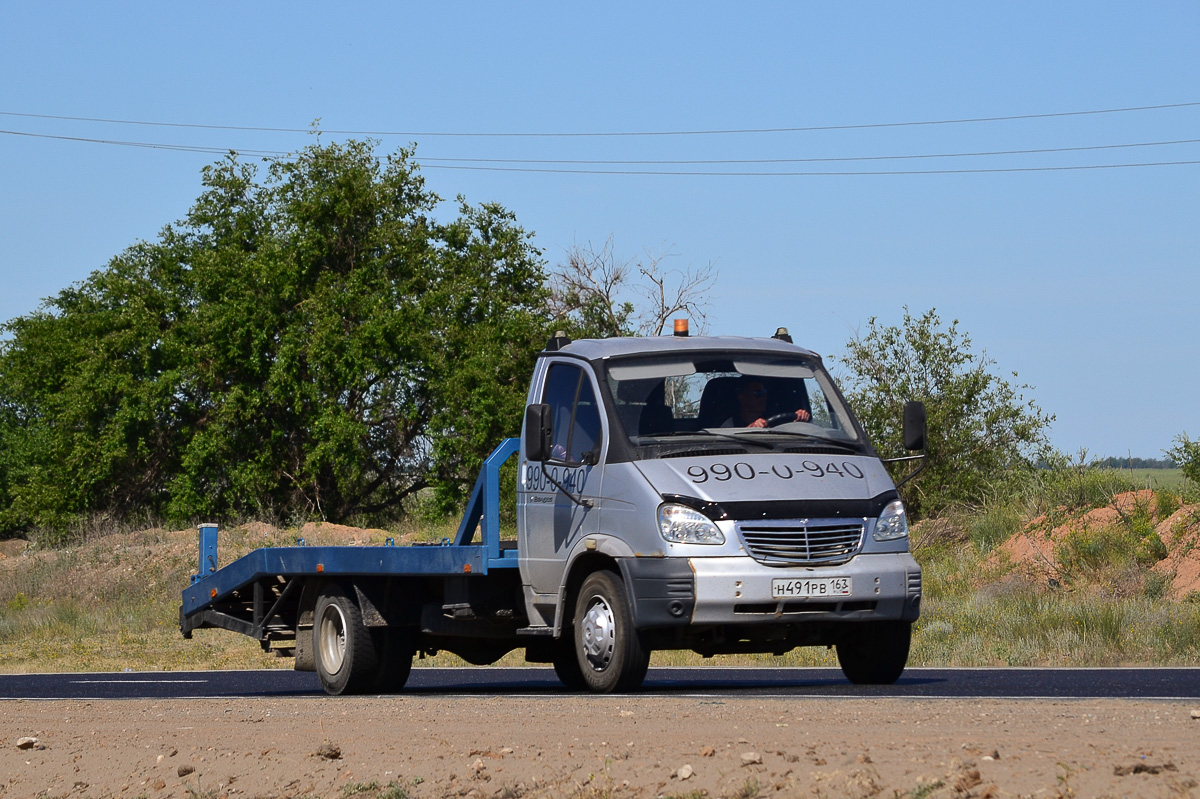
(681, 592)
(737, 590)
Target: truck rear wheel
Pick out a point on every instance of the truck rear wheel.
(609, 651)
(345, 655)
(394, 650)
(876, 652)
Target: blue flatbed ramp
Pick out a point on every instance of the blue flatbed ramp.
(459, 557)
(335, 561)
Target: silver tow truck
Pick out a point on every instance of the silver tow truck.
(713, 494)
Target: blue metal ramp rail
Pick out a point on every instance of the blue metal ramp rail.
(461, 557)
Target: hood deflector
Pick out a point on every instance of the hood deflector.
(788, 508)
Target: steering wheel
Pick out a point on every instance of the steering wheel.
(781, 418)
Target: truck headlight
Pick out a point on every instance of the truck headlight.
(683, 525)
(892, 523)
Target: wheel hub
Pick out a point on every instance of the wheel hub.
(333, 638)
(599, 634)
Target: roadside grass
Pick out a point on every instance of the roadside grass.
(1103, 605)
(111, 601)
(1028, 626)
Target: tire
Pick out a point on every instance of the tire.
(608, 650)
(394, 650)
(343, 649)
(875, 654)
(566, 664)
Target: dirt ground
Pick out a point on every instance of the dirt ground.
(596, 747)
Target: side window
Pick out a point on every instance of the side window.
(585, 429)
(569, 394)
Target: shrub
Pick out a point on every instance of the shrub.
(992, 526)
(1071, 482)
(1166, 503)
(982, 430)
(1187, 454)
(1086, 553)
(1150, 549)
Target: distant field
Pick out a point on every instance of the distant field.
(1169, 479)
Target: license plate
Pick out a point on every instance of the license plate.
(811, 587)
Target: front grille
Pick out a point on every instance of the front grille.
(824, 542)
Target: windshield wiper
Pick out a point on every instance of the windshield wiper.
(707, 432)
(738, 437)
(815, 439)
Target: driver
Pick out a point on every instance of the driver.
(752, 406)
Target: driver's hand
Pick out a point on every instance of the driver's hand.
(758, 423)
(803, 415)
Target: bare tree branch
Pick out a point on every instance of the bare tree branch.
(590, 292)
(673, 292)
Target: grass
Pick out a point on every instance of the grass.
(111, 601)
(373, 790)
(1103, 605)
(1156, 479)
(926, 789)
(1048, 628)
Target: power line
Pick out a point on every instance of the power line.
(660, 162)
(187, 148)
(654, 162)
(458, 162)
(807, 174)
(563, 134)
(151, 145)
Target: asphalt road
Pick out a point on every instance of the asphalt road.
(1135, 683)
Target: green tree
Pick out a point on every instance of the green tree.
(311, 342)
(1187, 454)
(980, 426)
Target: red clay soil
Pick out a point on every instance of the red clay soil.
(1032, 551)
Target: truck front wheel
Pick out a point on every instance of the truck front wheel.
(875, 653)
(566, 664)
(609, 651)
(345, 655)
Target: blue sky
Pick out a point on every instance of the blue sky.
(1083, 281)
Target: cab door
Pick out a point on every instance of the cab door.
(560, 505)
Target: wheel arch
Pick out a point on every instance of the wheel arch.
(588, 562)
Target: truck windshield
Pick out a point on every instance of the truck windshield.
(688, 405)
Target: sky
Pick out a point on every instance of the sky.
(1084, 281)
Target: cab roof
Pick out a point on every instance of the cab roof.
(600, 348)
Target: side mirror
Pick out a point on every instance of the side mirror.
(539, 433)
(914, 425)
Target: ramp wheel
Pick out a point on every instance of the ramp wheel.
(609, 651)
(346, 660)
